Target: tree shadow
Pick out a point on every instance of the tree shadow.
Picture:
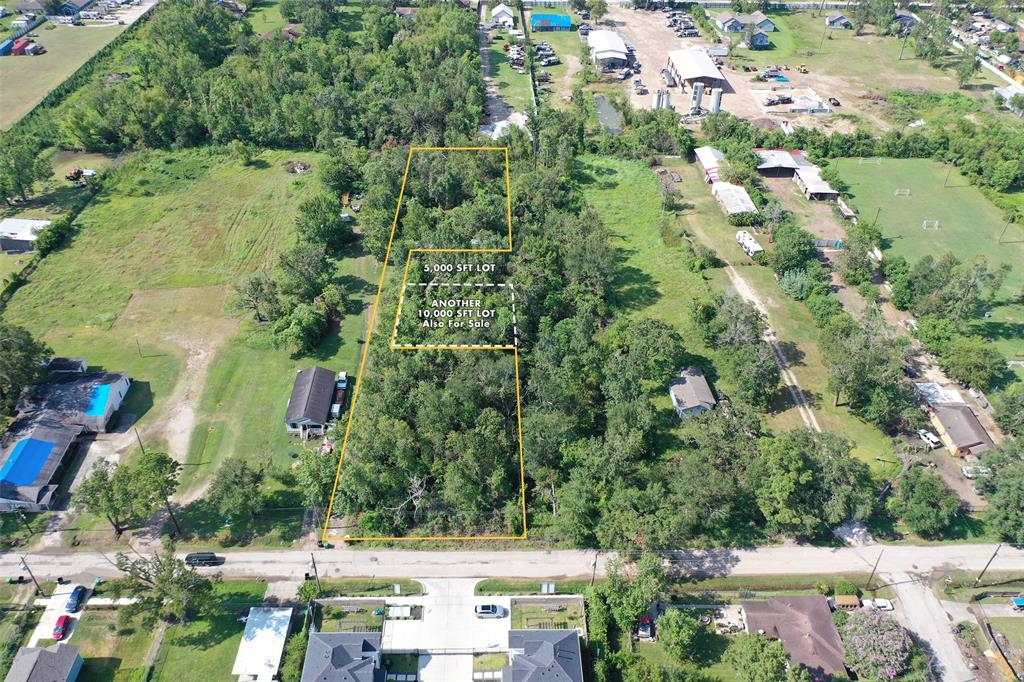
(792, 353)
(632, 288)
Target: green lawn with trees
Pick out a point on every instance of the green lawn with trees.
(969, 226)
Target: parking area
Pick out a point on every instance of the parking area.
(55, 608)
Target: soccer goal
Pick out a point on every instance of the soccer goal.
(869, 161)
(930, 225)
(902, 192)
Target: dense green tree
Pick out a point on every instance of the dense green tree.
(21, 363)
(161, 586)
(341, 171)
(794, 248)
(754, 371)
(259, 294)
(155, 476)
(237, 490)
(305, 271)
(21, 165)
(630, 594)
(1009, 410)
(967, 66)
(924, 502)
(973, 361)
(1006, 499)
(756, 658)
(680, 633)
(319, 221)
(118, 493)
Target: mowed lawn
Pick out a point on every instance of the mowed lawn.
(513, 87)
(567, 46)
(25, 80)
(866, 61)
(109, 653)
(205, 649)
(969, 226)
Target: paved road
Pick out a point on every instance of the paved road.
(340, 562)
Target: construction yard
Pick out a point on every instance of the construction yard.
(854, 69)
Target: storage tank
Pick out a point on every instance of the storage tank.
(656, 99)
(666, 100)
(698, 95)
(716, 100)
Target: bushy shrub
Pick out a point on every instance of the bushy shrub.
(876, 646)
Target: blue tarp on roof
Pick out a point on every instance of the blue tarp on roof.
(1018, 601)
(25, 461)
(98, 401)
(550, 20)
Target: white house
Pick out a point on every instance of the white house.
(838, 21)
(504, 15)
(736, 23)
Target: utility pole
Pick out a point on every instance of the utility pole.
(947, 175)
(874, 568)
(977, 580)
(316, 574)
(878, 212)
(139, 438)
(903, 46)
(138, 345)
(24, 567)
(24, 521)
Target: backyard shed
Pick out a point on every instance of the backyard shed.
(309, 407)
(607, 48)
(262, 646)
(808, 179)
(733, 198)
(694, 65)
(550, 22)
(709, 159)
(19, 234)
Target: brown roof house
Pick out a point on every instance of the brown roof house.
(962, 432)
(690, 393)
(804, 626)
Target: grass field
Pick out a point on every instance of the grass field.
(512, 86)
(654, 281)
(110, 654)
(535, 616)
(67, 48)
(865, 61)
(205, 649)
(969, 226)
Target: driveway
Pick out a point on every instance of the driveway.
(54, 610)
(921, 612)
(449, 633)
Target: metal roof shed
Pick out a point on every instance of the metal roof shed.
(262, 646)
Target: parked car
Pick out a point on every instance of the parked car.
(489, 611)
(880, 604)
(930, 439)
(972, 472)
(75, 600)
(202, 559)
(833, 101)
(645, 629)
(61, 628)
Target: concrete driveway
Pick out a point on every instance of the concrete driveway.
(448, 634)
(54, 610)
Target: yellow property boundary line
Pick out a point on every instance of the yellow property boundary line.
(369, 335)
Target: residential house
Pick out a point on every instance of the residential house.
(550, 22)
(34, 453)
(730, 22)
(406, 12)
(759, 40)
(86, 399)
(803, 623)
(18, 235)
(837, 21)
(309, 406)
(289, 33)
(70, 8)
(691, 393)
(960, 430)
(56, 663)
(262, 646)
(543, 656)
(504, 15)
(343, 657)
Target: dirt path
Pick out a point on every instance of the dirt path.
(792, 385)
(498, 115)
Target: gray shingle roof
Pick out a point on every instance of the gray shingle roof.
(547, 655)
(690, 389)
(55, 663)
(311, 396)
(342, 657)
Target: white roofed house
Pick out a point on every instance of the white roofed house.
(710, 159)
(19, 234)
(607, 48)
(504, 15)
(838, 21)
(690, 393)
